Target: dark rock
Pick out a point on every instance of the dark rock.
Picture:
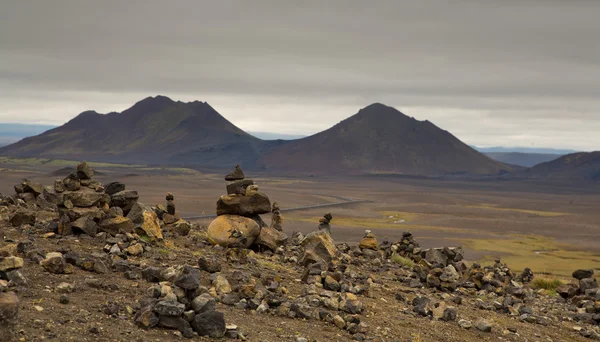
(210, 264)
(168, 308)
(176, 323)
(210, 323)
(236, 174)
(22, 217)
(244, 205)
(189, 279)
(84, 171)
(152, 274)
(116, 225)
(204, 303)
(114, 187)
(239, 187)
(86, 225)
(583, 274)
(125, 199)
(588, 284)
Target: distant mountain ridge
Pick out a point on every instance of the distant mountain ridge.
(13, 132)
(537, 150)
(158, 130)
(575, 166)
(522, 159)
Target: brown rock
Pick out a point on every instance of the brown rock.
(86, 225)
(59, 186)
(135, 249)
(72, 183)
(55, 263)
(116, 225)
(22, 217)
(239, 187)
(233, 231)
(150, 226)
(10, 263)
(369, 242)
(244, 205)
(318, 247)
(84, 171)
(83, 198)
(271, 238)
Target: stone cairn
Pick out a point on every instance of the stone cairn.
(276, 217)
(172, 222)
(238, 224)
(324, 223)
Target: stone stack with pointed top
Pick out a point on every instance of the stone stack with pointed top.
(276, 217)
(325, 223)
(238, 223)
(170, 219)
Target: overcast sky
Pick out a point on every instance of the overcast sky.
(510, 73)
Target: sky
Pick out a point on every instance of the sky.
(493, 73)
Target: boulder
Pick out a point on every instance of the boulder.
(233, 231)
(318, 247)
(124, 199)
(55, 263)
(239, 187)
(83, 198)
(114, 187)
(84, 171)
(34, 188)
(150, 226)
(210, 323)
(588, 284)
(583, 274)
(86, 225)
(271, 238)
(22, 217)
(244, 205)
(436, 257)
(117, 224)
(9, 309)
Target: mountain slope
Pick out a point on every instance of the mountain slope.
(381, 139)
(522, 159)
(154, 130)
(575, 166)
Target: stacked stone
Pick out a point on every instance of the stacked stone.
(171, 221)
(325, 223)
(179, 302)
(585, 294)
(276, 217)
(407, 247)
(369, 241)
(238, 223)
(85, 206)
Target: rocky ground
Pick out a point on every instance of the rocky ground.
(82, 261)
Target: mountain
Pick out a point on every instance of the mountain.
(10, 133)
(380, 139)
(522, 159)
(156, 130)
(540, 150)
(575, 166)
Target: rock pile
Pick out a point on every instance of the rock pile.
(584, 294)
(238, 223)
(276, 217)
(170, 220)
(179, 302)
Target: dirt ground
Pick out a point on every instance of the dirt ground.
(550, 228)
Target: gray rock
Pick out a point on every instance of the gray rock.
(210, 264)
(483, 325)
(203, 303)
(168, 308)
(178, 323)
(114, 187)
(588, 284)
(210, 323)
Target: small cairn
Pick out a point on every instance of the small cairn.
(276, 217)
(170, 204)
(325, 223)
(369, 241)
(238, 223)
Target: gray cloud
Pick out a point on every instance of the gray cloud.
(491, 72)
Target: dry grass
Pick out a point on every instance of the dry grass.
(548, 284)
(541, 254)
(402, 260)
(523, 211)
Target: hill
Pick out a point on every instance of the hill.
(524, 150)
(156, 130)
(575, 166)
(521, 158)
(380, 139)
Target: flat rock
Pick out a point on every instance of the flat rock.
(85, 197)
(239, 187)
(244, 205)
(116, 225)
(582, 274)
(114, 187)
